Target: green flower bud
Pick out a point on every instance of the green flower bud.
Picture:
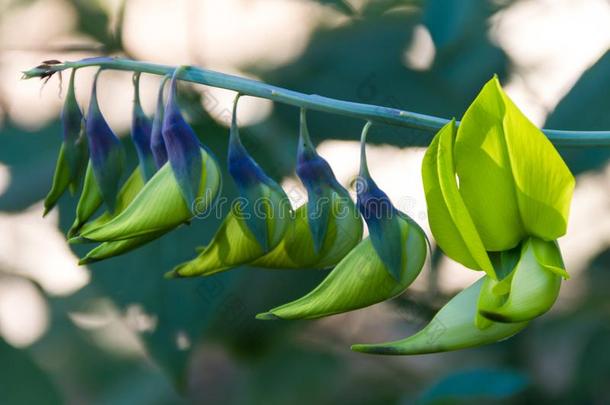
(73, 152)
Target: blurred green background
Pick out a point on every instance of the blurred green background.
(118, 333)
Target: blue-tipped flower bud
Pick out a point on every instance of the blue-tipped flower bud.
(157, 144)
(141, 127)
(183, 147)
(319, 181)
(107, 155)
(382, 218)
(263, 202)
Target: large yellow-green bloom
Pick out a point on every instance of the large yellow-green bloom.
(498, 196)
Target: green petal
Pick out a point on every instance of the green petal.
(232, 245)
(449, 219)
(159, 205)
(543, 182)
(89, 202)
(61, 181)
(484, 170)
(533, 288)
(115, 248)
(359, 280)
(452, 328)
(130, 189)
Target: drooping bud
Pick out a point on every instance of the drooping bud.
(141, 127)
(73, 152)
(157, 144)
(264, 207)
(182, 145)
(320, 183)
(107, 155)
(381, 216)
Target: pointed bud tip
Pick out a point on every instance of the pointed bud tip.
(87, 260)
(267, 316)
(172, 274)
(77, 239)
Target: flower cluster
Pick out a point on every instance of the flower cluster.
(497, 191)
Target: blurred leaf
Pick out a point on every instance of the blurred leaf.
(22, 381)
(585, 108)
(28, 155)
(94, 21)
(452, 22)
(467, 386)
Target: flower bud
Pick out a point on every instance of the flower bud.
(73, 153)
(263, 206)
(157, 144)
(141, 127)
(107, 155)
(182, 145)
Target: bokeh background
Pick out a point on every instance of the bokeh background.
(118, 333)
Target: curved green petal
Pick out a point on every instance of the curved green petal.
(484, 169)
(232, 245)
(159, 205)
(129, 190)
(534, 287)
(61, 181)
(359, 280)
(449, 219)
(543, 183)
(452, 328)
(107, 250)
(89, 202)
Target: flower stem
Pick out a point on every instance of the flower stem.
(367, 112)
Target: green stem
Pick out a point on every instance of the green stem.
(367, 112)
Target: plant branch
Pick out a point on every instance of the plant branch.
(367, 112)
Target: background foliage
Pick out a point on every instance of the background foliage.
(166, 342)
